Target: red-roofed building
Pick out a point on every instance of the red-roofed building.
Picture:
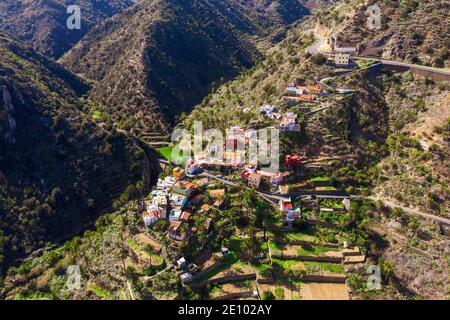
(185, 216)
(293, 160)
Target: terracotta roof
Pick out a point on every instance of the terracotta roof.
(219, 193)
(206, 207)
(185, 216)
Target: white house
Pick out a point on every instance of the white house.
(175, 215)
(342, 59)
(150, 218)
(178, 199)
(186, 277)
(295, 90)
(274, 116)
(181, 262)
(287, 125)
(267, 108)
(344, 47)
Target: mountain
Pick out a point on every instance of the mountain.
(58, 169)
(42, 23)
(159, 58)
(388, 139)
(410, 31)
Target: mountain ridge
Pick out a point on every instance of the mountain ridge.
(58, 169)
(157, 59)
(42, 24)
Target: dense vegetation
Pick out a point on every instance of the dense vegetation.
(411, 30)
(160, 58)
(43, 23)
(58, 169)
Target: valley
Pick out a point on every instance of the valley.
(358, 210)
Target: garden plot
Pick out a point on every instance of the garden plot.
(232, 288)
(324, 291)
(303, 250)
(282, 291)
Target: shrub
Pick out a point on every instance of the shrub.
(268, 295)
(318, 59)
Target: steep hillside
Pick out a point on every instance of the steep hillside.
(160, 58)
(345, 135)
(42, 23)
(58, 170)
(412, 31)
(388, 138)
(417, 171)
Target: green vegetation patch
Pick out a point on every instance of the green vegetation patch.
(100, 292)
(166, 152)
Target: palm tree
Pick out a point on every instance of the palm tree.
(386, 268)
(354, 281)
(73, 247)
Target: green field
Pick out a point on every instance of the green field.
(166, 152)
(320, 179)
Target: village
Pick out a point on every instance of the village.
(299, 250)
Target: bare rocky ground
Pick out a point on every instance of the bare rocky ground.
(416, 172)
(418, 253)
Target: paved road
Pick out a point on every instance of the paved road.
(404, 64)
(315, 48)
(273, 198)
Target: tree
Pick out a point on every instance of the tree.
(318, 59)
(386, 268)
(73, 247)
(268, 295)
(354, 281)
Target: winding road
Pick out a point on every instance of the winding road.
(273, 198)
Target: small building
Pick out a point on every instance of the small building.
(286, 205)
(178, 200)
(307, 97)
(267, 108)
(245, 174)
(205, 208)
(314, 89)
(185, 216)
(178, 173)
(347, 204)
(186, 277)
(284, 189)
(274, 116)
(293, 160)
(287, 125)
(224, 252)
(194, 170)
(296, 90)
(303, 109)
(175, 215)
(185, 188)
(342, 59)
(202, 182)
(219, 203)
(209, 225)
(279, 178)
(293, 215)
(254, 180)
(181, 263)
(217, 194)
(344, 47)
(150, 217)
(176, 232)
